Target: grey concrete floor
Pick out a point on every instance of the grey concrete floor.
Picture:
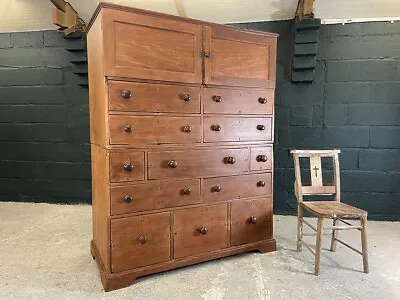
(44, 254)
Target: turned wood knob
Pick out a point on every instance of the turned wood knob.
(128, 128)
(261, 183)
(262, 100)
(128, 167)
(216, 188)
(128, 198)
(172, 164)
(216, 127)
(143, 239)
(262, 158)
(187, 129)
(126, 94)
(260, 127)
(185, 97)
(217, 99)
(252, 219)
(187, 191)
(230, 160)
(202, 229)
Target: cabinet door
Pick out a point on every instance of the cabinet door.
(149, 47)
(239, 58)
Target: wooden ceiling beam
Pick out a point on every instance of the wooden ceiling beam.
(66, 18)
(305, 9)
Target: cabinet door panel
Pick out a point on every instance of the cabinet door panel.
(239, 59)
(148, 47)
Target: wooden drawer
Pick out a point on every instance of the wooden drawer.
(261, 158)
(145, 97)
(154, 195)
(197, 163)
(126, 166)
(200, 230)
(228, 129)
(251, 221)
(154, 130)
(238, 101)
(236, 187)
(140, 241)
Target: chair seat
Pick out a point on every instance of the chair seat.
(333, 208)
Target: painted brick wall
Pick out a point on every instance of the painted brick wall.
(353, 105)
(44, 121)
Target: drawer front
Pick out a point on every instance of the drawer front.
(261, 158)
(126, 166)
(226, 129)
(154, 195)
(197, 163)
(154, 130)
(145, 97)
(200, 230)
(236, 101)
(133, 238)
(251, 221)
(236, 187)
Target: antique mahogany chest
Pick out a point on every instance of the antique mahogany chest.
(181, 118)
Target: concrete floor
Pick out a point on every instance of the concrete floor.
(44, 254)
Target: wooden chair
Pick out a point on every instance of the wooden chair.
(339, 212)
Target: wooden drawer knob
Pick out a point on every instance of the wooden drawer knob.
(261, 183)
(143, 239)
(216, 127)
(252, 220)
(216, 188)
(187, 191)
(126, 94)
(185, 97)
(217, 99)
(260, 127)
(262, 158)
(128, 199)
(202, 229)
(230, 160)
(128, 128)
(172, 164)
(187, 129)
(262, 100)
(128, 167)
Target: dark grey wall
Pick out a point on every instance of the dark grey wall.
(44, 123)
(354, 105)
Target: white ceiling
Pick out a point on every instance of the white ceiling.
(27, 15)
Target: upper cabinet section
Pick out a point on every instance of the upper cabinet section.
(237, 58)
(151, 46)
(147, 47)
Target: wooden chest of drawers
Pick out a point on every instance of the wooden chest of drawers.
(181, 117)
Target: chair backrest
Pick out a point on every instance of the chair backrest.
(316, 187)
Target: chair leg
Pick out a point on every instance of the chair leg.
(334, 236)
(364, 244)
(318, 247)
(299, 227)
